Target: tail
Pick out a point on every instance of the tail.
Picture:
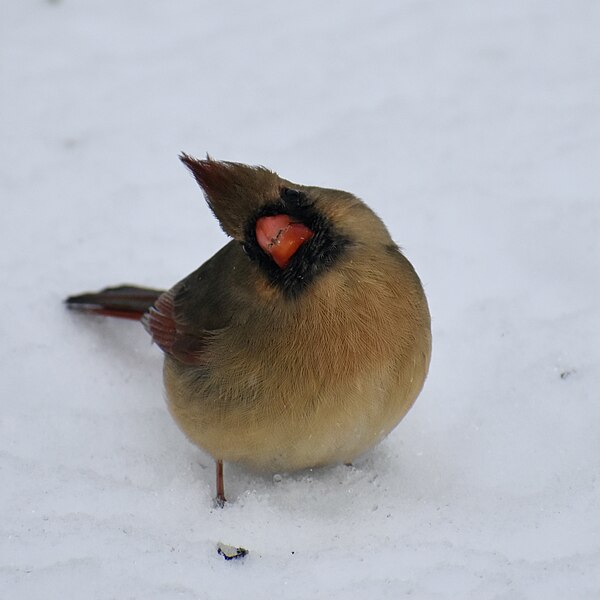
(124, 301)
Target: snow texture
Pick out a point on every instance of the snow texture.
(472, 128)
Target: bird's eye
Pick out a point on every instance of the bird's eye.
(294, 199)
(290, 194)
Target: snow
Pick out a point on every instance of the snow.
(472, 128)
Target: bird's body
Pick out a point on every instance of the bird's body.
(303, 341)
(311, 382)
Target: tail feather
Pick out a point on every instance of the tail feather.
(124, 301)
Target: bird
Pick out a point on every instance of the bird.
(301, 343)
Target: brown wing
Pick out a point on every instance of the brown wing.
(212, 298)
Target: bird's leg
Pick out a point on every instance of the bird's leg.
(220, 499)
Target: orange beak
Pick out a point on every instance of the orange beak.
(280, 237)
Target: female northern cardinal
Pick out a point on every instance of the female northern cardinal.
(302, 342)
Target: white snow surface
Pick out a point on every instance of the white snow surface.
(473, 130)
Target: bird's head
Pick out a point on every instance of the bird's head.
(294, 232)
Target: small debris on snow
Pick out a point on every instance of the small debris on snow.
(231, 552)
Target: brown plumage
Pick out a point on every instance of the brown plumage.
(304, 340)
